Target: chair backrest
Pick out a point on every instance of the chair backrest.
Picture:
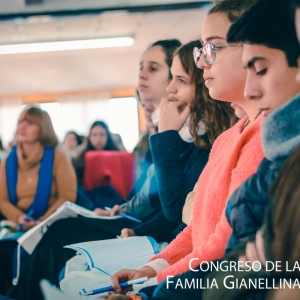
(109, 167)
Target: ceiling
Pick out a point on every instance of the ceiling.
(77, 70)
(18, 7)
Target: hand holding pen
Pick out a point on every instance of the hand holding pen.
(123, 285)
(122, 214)
(110, 212)
(125, 275)
(26, 221)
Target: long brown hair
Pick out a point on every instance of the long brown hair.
(285, 194)
(217, 116)
(40, 117)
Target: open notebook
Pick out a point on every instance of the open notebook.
(67, 210)
(110, 256)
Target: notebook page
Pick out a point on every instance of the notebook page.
(31, 238)
(67, 210)
(86, 212)
(114, 250)
(134, 264)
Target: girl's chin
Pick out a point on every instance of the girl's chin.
(218, 96)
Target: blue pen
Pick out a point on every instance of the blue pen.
(125, 216)
(28, 215)
(129, 283)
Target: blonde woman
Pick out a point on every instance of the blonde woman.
(35, 179)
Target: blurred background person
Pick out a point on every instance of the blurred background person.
(35, 178)
(99, 138)
(73, 143)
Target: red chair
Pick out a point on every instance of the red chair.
(109, 167)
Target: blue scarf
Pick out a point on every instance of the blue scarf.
(281, 130)
(40, 203)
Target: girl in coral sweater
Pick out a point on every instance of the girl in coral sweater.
(235, 155)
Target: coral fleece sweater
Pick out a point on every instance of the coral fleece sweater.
(234, 157)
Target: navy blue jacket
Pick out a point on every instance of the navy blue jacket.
(178, 165)
(247, 205)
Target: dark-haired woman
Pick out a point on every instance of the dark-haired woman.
(99, 138)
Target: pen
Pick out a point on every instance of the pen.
(28, 215)
(125, 215)
(84, 292)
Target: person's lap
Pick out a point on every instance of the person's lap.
(49, 257)
(7, 249)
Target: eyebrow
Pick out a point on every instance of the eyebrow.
(214, 37)
(252, 61)
(151, 62)
(181, 77)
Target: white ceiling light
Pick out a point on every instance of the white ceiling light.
(66, 45)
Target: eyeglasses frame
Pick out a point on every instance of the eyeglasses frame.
(214, 47)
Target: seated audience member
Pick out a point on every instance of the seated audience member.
(73, 143)
(234, 157)
(99, 138)
(36, 177)
(153, 79)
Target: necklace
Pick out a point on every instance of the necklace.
(248, 121)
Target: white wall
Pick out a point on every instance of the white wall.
(78, 113)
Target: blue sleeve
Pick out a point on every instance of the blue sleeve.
(158, 227)
(177, 171)
(247, 205)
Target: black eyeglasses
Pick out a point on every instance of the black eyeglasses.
(209, 52)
